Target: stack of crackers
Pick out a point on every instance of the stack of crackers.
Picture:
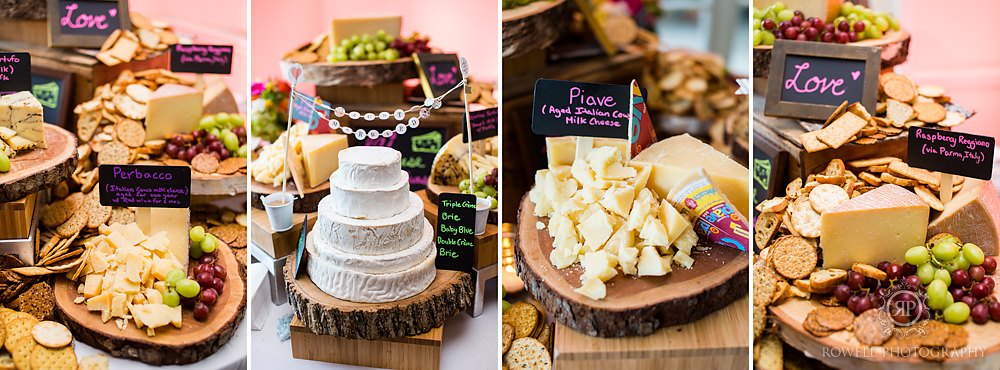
(315, 51)
(70, 222)
(689, 83)
(902, 104)
(150, 38)
(527, 338)
(34, 344)
(482, 93)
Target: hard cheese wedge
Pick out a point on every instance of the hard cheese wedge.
(879, 225)
(561, 151)
(341, 29)
(175, 222)
(218, 98)
(22, 113)
(973, 215)
(173, 109)
(676, 157)
(319, 155)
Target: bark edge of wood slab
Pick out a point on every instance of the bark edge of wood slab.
(449, 294)
(40, 169)
(895, 48)
(706, 290)
(533, 27)
(790, 314)
(307, 204)
(190, 344)
(364, 73)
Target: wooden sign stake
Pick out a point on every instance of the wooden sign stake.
(294, 73)
(464, 67)
(946, 181)
(631, 122)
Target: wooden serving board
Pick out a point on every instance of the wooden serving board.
(449, 294)
(39, 169)
(842, 350)
(217, 184)
(633, 306)
(363, 73)
(422, 351)
(717, 341)
(433, 190)
(307, 204)
(895, 48)
(196, 340)
(533, 27)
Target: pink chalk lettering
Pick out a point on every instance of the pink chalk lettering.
(576, 93)
(84, 20)
(814, 83)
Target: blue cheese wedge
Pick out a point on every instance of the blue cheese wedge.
(22, 113)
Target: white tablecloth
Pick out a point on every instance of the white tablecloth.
(232, 356)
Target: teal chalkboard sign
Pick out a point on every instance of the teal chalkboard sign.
(456, 238)
(52, 89)
(768, 171)
(418, 147)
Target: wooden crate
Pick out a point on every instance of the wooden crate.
(16, 217)
(417, 352)
(277, 244)
(34, 32)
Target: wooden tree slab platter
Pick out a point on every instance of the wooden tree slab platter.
(364, 73)
(39, 169)
(533, 27)
(633, 306)
(196, 340)
(843, 351)
(449, 294)
(434, 189)
(217, 184)
(307, 204)
(895, 48)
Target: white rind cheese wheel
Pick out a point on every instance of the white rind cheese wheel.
(371, 167)
(363, 287)
(378, 264)
(369, 202)
(369, 237)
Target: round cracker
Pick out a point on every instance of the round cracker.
(58, 212)
(952, 119)
(43, 358)
(205, 163)
(51, 334)
(805, 219)
(114, 152)
(793, 257)
(19, 327)
(873, 327)
(20, 350)
(825, 197)
(930, 112)
(834, 318)
(524, 317)
(508, 336)
(130, 133)
(138, 92)
(527, 353)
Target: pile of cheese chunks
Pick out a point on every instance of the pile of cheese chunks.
(602, 215)
(124, 277)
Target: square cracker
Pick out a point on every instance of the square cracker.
(811, 143)
(841, 130)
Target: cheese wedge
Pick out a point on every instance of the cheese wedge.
(319, 156)
(22, 113)
(879, 225)
(172, 109)
(973, 215)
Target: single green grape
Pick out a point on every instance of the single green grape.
(489, 189)
(214, 131)
(768, 38)
(786, 15)
(170, 298)
(894, 23)
(937, 288)
(953, 265)
(197, 234)
(391, 54)
(480, 194)
(956, 313)
(380, 45)
(242, 151)
(945, 251)
(973, 254)
(208, 245)
(493, 203)
(926, 273)
(846, 8)
(206, 122)
(464, 184)
(506, 306)
(480, 179)
(918, 255)
(195, 251)
(778, 6)
(4, 162)
(882, 23)
(188, 288)
(943, 275)
(174, 276)
(961, 263)
(230, 141)
(757, 37)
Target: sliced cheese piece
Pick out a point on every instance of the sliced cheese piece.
(561, 151)
(174, 223)
(319, 155)
(879, 225)
(973, 215)
(173, 109)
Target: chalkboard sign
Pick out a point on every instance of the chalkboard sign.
(564, 108)
(52, 89)
(485, 124)
(438, 74)
(307, 110)
(456, 231)
(957, 153)
(301, 253)
(217, 59)
(808, 80)
(145, 186)
(768, 170)
(418, 146)
(85, 23)
(15, 72)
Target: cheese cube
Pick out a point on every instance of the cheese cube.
(602, 158)
(654, 233)
(22, 113)
(319, 156)
(173, 109)
(593, 288)
(598, 264)
(879, 225)
(596, 229)
(673, 221)
(641, 178)
(618, 199)
(973, 215)
(562, 257)
(650, 263)
(92, 285)
(561, 151)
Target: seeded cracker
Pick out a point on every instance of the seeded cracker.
(121, 215)
(205, 163)
(813, 327)
(764, 283)
(57, 213)
(524, 317)
(508, 336)
(527, 353)
(834, 318)
(873, 327)
(113, 153)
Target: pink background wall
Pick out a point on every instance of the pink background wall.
(963, 57)
(467, 27)
(222, 22)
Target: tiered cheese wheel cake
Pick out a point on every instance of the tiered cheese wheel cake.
(371, 242)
